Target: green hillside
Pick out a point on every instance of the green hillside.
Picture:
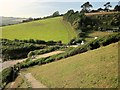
(97, 68)
(48, 29)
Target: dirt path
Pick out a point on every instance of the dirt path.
(10, 63)
(13, 62)
(48, 54)
(34, 83)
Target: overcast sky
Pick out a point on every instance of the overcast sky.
(40, 8)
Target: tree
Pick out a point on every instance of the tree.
(86, 7)
(117, 7)
(68, 15)
(107, 6)
(56, 14)
(100, 9)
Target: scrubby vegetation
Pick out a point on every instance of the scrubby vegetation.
(17, 50)
(39, 42)
(108, 22)
(9, 74)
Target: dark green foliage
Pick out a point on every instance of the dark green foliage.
(75, 41)
(16, 50)
(82, 34)
(107, 6)
(116, 20)
(110, 39)
(110, 22)
(6, 76)
(80, 21)
(86, 7)
(9, 74)
(40, 42)
(83, 23)
(55, 14)
(117, 8)
(87, 23)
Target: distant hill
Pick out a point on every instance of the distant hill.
(10, 20)
(55, 29)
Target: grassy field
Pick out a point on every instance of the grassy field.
(100, 13)
(94, 34)
(97, 68)
(47, 29)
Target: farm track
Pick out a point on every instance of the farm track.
(13, 62)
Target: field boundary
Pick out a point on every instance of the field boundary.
(68, 31)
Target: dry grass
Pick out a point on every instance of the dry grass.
(94, 34)
(99, 13)
(97, 68)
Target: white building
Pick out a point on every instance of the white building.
(95, 37)
(82, 42)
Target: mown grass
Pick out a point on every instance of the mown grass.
(94, 69)
(48, 29)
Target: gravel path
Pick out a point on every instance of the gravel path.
(13, 62)
(48, 54)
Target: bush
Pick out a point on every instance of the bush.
(9, 74)
(75, 41)
(110, 39)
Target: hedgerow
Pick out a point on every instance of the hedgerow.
(17, 50)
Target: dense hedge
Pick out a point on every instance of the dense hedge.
(17, 50)
(40, 42)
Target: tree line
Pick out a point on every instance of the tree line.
(85, 23)
(86, 7)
